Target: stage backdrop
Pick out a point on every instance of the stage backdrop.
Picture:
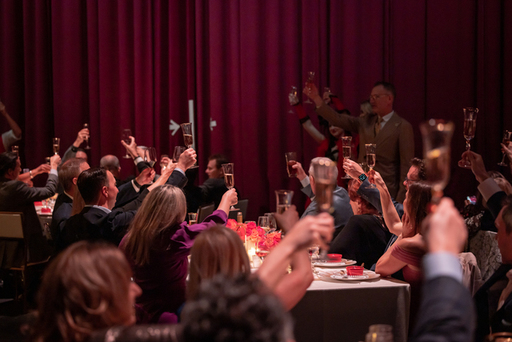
(136, 64)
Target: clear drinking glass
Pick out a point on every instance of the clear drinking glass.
(87, 147)
(437, 136)
(370, 160)
(56, 145)
(178, 150)
(325, 182)
(192, 218)
(150, 156)
(263, 223)
(507, 136)
(188, 137)
(163, 165)
(291, 159)
(272, 224)
(126, 137)
(229, 177)
(347, 150)
(309, 81)
(470, 114)
(283, 200)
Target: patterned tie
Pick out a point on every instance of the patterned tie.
(377, 124)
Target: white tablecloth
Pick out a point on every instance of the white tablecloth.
(334, 310)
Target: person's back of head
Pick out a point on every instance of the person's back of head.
(69, 170)
(7, 163)
(110, 163)
(218, 250)
(235, 309)
(325, 160)
(90, 182)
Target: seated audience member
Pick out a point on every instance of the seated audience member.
(10, 137)
(447, 312)
(74, 151)
(220, 250)
(409, 248)
(236, 309)
(129, 191)
(341, 201)
(157, 246)
(68, 176)
(97, 220)
(111, 163)
(494, 298)
(86, 288)
(212, 189)
(16, 196)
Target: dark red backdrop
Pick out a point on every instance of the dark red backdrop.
(135, 64)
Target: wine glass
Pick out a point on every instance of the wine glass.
(188, 138)
(163, 165)
(370, 160)
(283, 200)
(347, 150)
(310, 80)
(150, 156)
(470, 114)
(437, 135)
(87, 147)
(507, 136)
(293, 97)
(178, 150)
(47, 159)
(263, 223)
(229, 177)
(272, 224)
(126, 137)
(56, 145)
(327, 95)
(291, 159)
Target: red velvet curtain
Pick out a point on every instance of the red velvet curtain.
(136, 64)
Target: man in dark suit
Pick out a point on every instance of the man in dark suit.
(341, 201)
(97, 221)
(392, 134)
(16, 196)
(68, 176)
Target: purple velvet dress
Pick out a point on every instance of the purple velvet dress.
(163, 280)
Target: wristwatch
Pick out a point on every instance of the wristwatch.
(362, 177)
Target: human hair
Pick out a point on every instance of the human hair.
(164, 209)
(235, 309)
(420, 165)
(506, 214)
(69, 170)
(110, 162)
(78, 202)
(84, 289)
(388, 86)
(7, 162)
(90, 182)
(418, 198)
(322, 159)
(366, 108)
(217, 250)
(219, 160)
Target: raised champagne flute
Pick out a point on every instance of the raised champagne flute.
(188, 137)
(309, 81)
(437, 136)
(291, 159)
(470, 114)
(87, 147)
(370, 160)
(229, 177)
(56, 145)
(347, 151)
(126, 138)
(507, 136)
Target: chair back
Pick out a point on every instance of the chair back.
(471, 276)
(204, 211)
(11, 225)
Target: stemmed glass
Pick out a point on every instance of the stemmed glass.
(310, 80)
(126, 137)
(283, 200)
(150, 156)
(470, 114)
(272, 224)
(370, 160)
(188, 138)
(347, 151)
(87, 147)
(437, 136)
(178, 150)
(506, 139)
(163, 165)
(263, 223)
(229, 177)
(56, 145)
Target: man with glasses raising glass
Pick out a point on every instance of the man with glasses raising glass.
(392, 134)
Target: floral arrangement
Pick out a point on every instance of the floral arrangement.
(255, 234)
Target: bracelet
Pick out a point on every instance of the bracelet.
(30, 173)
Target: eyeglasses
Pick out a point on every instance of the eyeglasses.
(376, 96)
(409, 181)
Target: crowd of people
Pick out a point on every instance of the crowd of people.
(122, 253)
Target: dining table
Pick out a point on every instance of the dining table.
(342, 309)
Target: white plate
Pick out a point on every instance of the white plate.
(344, 262)
(367, 275)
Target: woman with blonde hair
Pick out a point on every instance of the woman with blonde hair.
(87, 287)
(158, 243)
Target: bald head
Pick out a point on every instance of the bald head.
(111, 163)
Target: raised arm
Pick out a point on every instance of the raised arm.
(14, 126)
(304, 118)
(388, 209)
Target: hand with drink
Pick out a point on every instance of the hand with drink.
(131, 147)
(299, 171)
(370, 161)
(86, 127)
(146, 176)
(43, 168)
(56, 145)
(82, 136)
(287, 219)
(54, 161)
(327, 95)
(312, 92)
(377, 179)
(352, 168)
(477, 165)
(229, 199)
(507, 136)
(347, 150)
(292, 97)
(164, 161)
(291, 159)
(187, 159)
(126, 137)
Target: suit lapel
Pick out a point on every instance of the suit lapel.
(387, 131)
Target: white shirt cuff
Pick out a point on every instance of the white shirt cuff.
(488, 188)
(442, 264)
(305, 182)
(179, 170)
(54, 172)
(138, 160)
(137, 189)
